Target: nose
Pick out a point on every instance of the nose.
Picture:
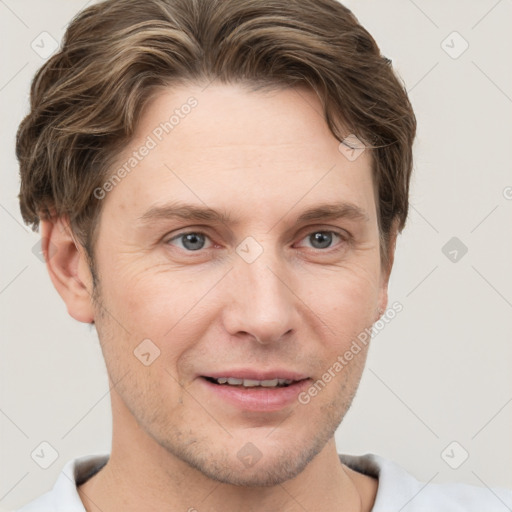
(260, 302)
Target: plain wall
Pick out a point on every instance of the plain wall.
(439, 372)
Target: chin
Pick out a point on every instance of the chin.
(269, 471)
(278, 455)
(273, 459)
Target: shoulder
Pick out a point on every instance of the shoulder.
(399, 490)
(64, 497)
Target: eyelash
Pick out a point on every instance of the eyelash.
(343, 236)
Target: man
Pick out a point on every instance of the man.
(219, 186)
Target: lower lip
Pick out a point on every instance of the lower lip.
(258, 399)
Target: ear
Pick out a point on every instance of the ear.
(68, 267)
(386, 270)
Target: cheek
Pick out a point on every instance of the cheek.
(170, 308)
(345, 298)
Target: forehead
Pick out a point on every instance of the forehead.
(229, 146)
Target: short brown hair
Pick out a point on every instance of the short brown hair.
(87, 98)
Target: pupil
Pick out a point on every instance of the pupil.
(321, 239)
(193, 241)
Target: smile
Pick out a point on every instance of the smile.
(251, 383)
(251, 391)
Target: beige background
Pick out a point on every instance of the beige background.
(439, 372)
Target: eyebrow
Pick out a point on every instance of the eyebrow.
(191, 212)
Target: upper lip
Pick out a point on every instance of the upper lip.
(252, 374)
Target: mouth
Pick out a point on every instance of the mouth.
(253, 391)
(251, 383)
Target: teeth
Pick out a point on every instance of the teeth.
(251, 383)
(269, 383)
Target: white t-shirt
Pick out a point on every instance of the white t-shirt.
(397, 490)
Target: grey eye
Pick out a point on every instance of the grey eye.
(321, 239)
(191, 241)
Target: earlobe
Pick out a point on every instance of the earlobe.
(67, 265)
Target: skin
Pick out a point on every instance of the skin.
(262, 158)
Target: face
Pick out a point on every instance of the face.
(241, 245)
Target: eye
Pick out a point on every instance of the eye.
(323, 239)
(193, 241)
